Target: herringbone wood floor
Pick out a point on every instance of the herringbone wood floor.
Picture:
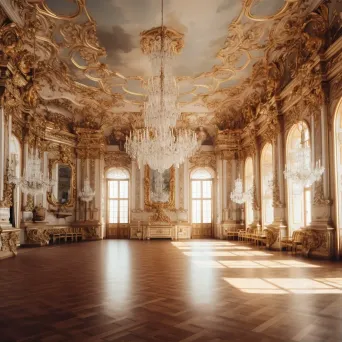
(120, 290)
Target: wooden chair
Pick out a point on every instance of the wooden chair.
(291, 243)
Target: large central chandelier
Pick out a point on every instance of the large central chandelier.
(160, 144)
(301, 171)
(161, 149)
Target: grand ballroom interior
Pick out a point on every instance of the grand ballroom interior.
(171, 170)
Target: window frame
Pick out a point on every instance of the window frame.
(119, 199)
(201, 199)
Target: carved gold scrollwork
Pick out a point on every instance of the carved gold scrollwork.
(43, 8)
(272, 235)
(250, 3)
(9, 241)
(313, 240)
(159, 216)
(149, 37)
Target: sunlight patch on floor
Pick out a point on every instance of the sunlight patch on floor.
(266, 264)
(287, 285)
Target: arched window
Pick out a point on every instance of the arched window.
(201, 196)
(299, 200)
(15, 167)
(338, 165)
(118, 196)
(266, 184)
(249, 177)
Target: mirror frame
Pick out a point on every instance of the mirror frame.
(50, 196)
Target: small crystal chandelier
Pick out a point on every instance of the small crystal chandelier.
(301, 171)
(33, 181)
(238, 196)
(160, 149)
(87, 193)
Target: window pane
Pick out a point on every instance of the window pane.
(113, 211)
(196, 211)
(124, 189)
(113, 189)
(123, 211)
(196, 189)
(206, 211)
(206, 189)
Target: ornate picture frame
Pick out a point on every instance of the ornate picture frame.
(167, 182)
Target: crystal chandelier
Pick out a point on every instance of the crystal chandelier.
(161, 107)
(237, 195)
(301, 171)
(160, 145)
(33, 181)
(87, 193)
(160, 149)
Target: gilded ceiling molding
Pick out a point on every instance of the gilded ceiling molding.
(117, 159)
(90, 143)
(248, 6)
(203, 159)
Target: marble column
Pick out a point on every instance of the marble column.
(224, 190)
(133, 184)
(219, 187)
(186, 187)
(177, 188)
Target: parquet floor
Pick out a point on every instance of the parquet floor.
(129, 291)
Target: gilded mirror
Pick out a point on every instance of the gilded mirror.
(63, 191)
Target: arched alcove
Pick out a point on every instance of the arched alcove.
(299, 200)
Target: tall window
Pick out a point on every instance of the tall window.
(338, 170)
(118, 195)
(201, 196)
(266, 184)
(249, 177)
(299, 200)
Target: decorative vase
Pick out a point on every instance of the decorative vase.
(39, 214)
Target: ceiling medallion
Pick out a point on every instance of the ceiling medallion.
(160, 145)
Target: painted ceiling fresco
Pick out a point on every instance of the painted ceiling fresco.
(209, 39)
